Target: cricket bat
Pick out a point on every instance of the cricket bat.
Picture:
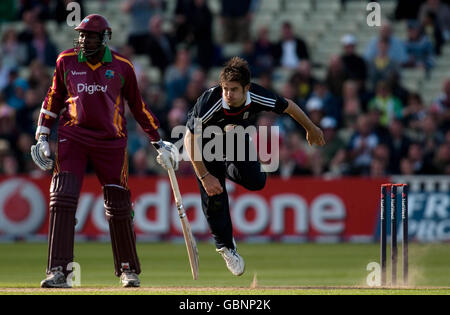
(189, 239)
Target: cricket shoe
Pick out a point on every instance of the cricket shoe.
(55, 279)
(234, 261)
(129, 279)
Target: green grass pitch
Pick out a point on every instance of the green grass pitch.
(271, 269)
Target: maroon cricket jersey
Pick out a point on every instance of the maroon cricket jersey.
(90, 100)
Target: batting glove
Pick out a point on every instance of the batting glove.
(40, 153)
(167, 154)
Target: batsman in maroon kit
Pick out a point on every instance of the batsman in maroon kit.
(90, 85)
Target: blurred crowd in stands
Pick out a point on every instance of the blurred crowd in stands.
(372, 124)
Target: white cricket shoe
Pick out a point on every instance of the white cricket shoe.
(234, 261)
(55, 279)
(130, 280)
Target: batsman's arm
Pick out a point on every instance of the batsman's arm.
(54, 100)
(140, 110)
(314, 134)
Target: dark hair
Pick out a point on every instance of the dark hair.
(236, 69)
(415, 96)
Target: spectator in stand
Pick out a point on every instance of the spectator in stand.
(382, 65)
(29, 18)
(159, 45)
(40, 8)
(263, 52)
(398, 90)
(431, 136)
(335, 77)
(331, 105)
(248, 53)
(141, 11)
(303, 82)
(41, 47)
(361, 146)
(378, 168)
(4, 76)
(441, 160)
(406, 166)
(13, 53)
(433, 30)
(8, 129)
(380, 161)
(352, 108)
(25, 115)
(288, 167)
(396, 50)
(315, 110)
(413, 114)
(176, 117)
(8, 90)
(128, 52)
(195, 87)
(39, 78)
(137, 139)
(178, 113)
(181, 21)
(382, 153)
(441, 106)
(355, 66)
(178, 75)
(420, 163)
(447, 136)
(236, 16)
(285, 123)
(407, 9)
(298, 152)
(382, 131)
(9, 165)
(265, 79)
(442, 12)
(389, 106)
(419, 48)
(16, 93)
(352, 104)
(290, 50)
(156, 96)
(24, 160)
(398, 145)
(193, 26)
(139, 164)
(322, 157)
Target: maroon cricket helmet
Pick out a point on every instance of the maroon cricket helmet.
(97, 24)
(94, 23)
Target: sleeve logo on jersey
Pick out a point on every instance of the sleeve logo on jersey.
(90, 89)
(109, 74)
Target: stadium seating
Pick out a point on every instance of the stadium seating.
(320, 23)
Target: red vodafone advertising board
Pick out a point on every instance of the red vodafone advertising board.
(296, 209)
